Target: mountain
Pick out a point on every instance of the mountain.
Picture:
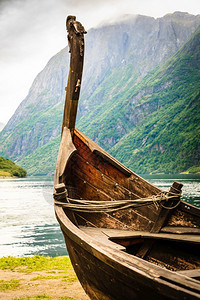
(165, 136)
(118, 57)
(1, 125)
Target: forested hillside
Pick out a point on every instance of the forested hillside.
(129, 86)
(9, 169)
(166, 139)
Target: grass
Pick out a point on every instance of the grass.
(9, 285)
(34, 298)
(5, 174)
(68, 278)
(44, 297)
(30, 276)
(35, 263)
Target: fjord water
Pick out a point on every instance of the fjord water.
(27, 222)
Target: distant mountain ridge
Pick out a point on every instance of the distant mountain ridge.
(117, 57)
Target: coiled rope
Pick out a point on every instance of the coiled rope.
(91, 206)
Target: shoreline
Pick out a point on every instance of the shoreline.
(39, 277)
(10, 177)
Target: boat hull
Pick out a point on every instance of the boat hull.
(113, 275)
(101, 281)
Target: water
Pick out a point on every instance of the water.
(191, 185)
(27, 222)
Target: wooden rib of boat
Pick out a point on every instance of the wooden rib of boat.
(126, 238)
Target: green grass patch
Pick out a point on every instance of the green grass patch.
(35, 263)
(44, 297)
(68, 278)
(34, 298)
(5, 174)
(68, 298)
(9, 285)
(194, 169)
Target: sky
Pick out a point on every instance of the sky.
(32, 31)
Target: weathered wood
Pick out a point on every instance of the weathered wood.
(164, 212)
(181, 230)
(163, 283)
(76, 47)
(161, 218)
(191, 273)
(59, 188)
(66, 150)
(190, 209)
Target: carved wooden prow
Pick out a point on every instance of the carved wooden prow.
(76, 47)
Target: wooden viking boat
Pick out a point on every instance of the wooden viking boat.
(126, 238)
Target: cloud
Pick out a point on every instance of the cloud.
(32, 31)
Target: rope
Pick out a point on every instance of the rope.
(91, 206)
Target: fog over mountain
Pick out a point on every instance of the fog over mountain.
(117, 56)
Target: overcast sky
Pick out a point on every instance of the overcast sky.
(32, 31)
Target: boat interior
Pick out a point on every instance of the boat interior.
(164, 237)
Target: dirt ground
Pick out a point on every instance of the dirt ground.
(55, 284)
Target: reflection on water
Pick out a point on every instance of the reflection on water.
(27, 222)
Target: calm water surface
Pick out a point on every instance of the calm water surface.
(27, 222)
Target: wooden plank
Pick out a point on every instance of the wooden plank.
(101, 236)
(91, 175)
(94, 147)
(136, 184)
(66, 150)
(190, 273)
(129, 234)
(175, 188)
(180, 230)
(103, 166)
(189, 208)
(161, 219)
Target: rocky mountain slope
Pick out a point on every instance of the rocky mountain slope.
(1, 125)
(165, 138)
(117, 57)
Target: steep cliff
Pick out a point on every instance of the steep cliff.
(117, 57)
(165, 137)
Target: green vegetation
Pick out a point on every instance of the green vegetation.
(9, 168)
(35, 263)
(194, 169)
(34, 276)
(153, 127)
(151, 124)
(9, 285)
(43, 297)
(167, 140)
(43, 160)
(68, 278)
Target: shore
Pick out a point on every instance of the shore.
(39, 278)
